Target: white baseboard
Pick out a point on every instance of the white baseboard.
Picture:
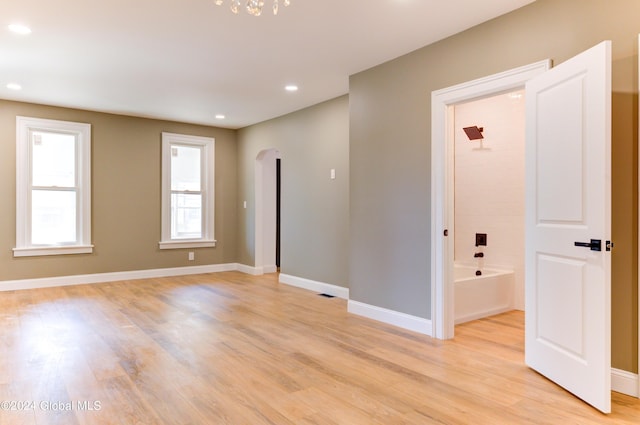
(270, 269)
(480, 315)
(312, 285)
(625, 382)
(391, 317)
(254, 271)
(48, 282)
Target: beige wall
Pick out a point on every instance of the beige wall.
(315, 209)
(624, 270)
(126, 196)
(390, 127)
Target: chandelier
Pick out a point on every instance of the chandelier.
(254, 7)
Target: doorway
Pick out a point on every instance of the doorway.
(489, 206)
(568, 119)
(442, 187)
(267, 211)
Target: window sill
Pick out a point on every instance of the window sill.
(187, 244)
(53, 250)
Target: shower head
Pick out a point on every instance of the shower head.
(474, 133)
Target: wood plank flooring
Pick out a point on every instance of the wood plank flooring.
(229, 348)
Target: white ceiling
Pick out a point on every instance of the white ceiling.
(188, 60)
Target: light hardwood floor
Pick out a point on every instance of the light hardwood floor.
(228, 348)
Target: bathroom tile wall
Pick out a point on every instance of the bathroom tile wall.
(489, 185)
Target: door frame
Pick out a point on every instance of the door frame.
(442, 196)
(265, 221)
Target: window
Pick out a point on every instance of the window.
(187, 191)
(53, 187)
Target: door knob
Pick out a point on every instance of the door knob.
(594, 245)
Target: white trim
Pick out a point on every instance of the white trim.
(625, 382)
(481, 314)
(24, 186)
(312, 285)
(52, 250)
(270, 269)
(186, 244)
(207, 173)
(391, 317)
(442, 313)
(48, 282)
(254, 271)
(265, 176)
(257, 271)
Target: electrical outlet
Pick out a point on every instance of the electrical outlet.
(192, 256)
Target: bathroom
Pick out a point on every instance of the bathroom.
(489, 206)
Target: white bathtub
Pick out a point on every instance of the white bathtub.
(481, 296)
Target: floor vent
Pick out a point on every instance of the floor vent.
(327, 295)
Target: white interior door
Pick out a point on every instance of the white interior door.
(568, 198)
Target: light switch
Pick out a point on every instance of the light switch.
(245, 204)
(333, 174)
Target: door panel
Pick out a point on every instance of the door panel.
(561, 289)
(568, 196)
(560, 200)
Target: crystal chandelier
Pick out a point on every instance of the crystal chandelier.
(254, 7)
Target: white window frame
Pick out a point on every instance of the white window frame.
(24, 127)
(207, 146)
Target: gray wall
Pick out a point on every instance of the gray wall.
(390, 127)
(125, 196)
(315, 209)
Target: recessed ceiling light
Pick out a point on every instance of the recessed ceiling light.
(220, 117)
(291, 87)
(14, 86)
(20, 29)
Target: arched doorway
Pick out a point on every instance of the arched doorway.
(267, 210)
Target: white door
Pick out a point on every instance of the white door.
(568, 198)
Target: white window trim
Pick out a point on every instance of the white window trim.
(24, 248)
(208, 198)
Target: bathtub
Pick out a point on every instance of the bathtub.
(481, 296)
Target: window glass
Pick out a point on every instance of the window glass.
(53, 159)
(186, 212)
(185, 168)
(53, 217)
